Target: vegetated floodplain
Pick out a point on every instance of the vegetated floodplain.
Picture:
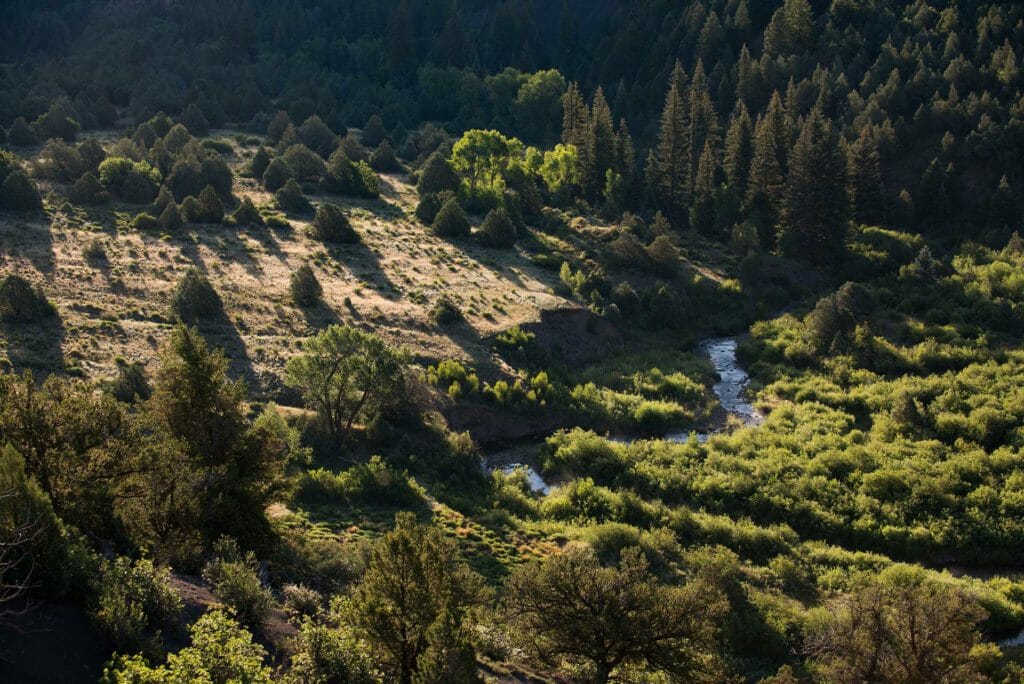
(504, 342)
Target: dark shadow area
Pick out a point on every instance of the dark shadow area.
(28, 235)
(36, 346)
(320, 316)
(52, 643)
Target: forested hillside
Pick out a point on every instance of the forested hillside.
(466, 341)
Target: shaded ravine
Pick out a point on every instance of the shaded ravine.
(730, 390)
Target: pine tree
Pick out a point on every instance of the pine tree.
(600, 146)
(702, 118)
(574, 116)
(865, 179)
(739, 150)
(667, 167)
(702, 216)
(625, 160)
(744, 76)
(816, 209)
(766, 185)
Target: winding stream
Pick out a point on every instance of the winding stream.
(730, 390)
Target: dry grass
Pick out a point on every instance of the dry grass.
(118, 307)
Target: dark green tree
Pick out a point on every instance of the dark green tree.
(866, 180)
(816, 211)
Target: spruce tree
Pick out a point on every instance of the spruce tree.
(816, 210)
(739, 150)
(667, 167)
(600, 146)
(866, 179)
(703, 119)
(702, 216)
(574, 116)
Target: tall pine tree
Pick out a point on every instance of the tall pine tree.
(668, 163)
(702, 216)
(600, 146)
(866, 179)
(816, 211)
(739, 150)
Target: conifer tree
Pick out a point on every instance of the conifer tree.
(866, 179)
(667, 167)
(600, 146)
(766, 184)
(574, 116)
(739, 150)
(702, 216)
(702, 118)
(816, 208)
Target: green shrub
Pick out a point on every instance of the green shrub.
(291, 199)
(171, 219)
(235, 581)
(332, 225)
(89, 191)
(305, 288)
(437, 175)
(384, 160)
(306, 165)
(20, 302)
(427, 208)
(144, 222)
(95, 252)
(195, 121)
(301, 601)
(497, 230)
(131, 383)
(20, 135)
(277, 174)
(374, 482)
(20, 193)
(451, 220)
(247, 214)
(211, 209)
(194, 298)
(260, 162)
(134, 600)
(445, 311)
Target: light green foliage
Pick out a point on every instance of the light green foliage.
(220, 652)
(346, 374)
(481, 158)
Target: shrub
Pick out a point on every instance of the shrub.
(61, 161)
(56, 123)
(437, 175)
(291, 199)
(211, 210)
(92, 153)
(133, 600)
(195, 121)
(349, 177)
(427, 208)
(305, 164)
(95, 252)
(20, 302)
(138, 187)
(305, 288)
(278, 125)
(497, 230)
(236, 582)
(332, 225)
(131, 383)
(145, 222)
(664, 255)
(194, 298)
(451, 220)
(260, 162)
(373, 132)
(384, 160)
(277, 174)
(317, 136)
(89, 191)
(20, 193)
(20, 135)
(301, 601)
(247, 214)
(445, 311)
(190, 210)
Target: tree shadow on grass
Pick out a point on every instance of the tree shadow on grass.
(36, 346)
(28, 235)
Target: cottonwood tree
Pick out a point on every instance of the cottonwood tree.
(346, 374)
(570, 608)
